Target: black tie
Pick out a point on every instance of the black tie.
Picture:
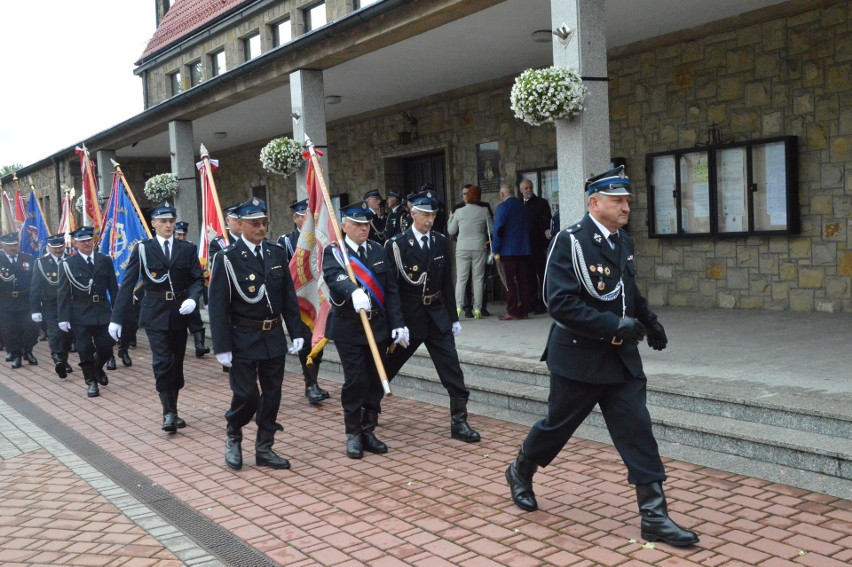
(89, 260)
(362, 254)
(14, 259)
(614, 239)
(167, 253)
(259, 255)
(425, 241)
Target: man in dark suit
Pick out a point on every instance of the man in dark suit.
(538, 211)
(511, 245)
(376, 293)
(168, 275)
(196, 325)
(43, 297)
(20, 334)
(599, 319)
(377, 224)
(86, 287)
(218, 243)
(395, 212)
(250, 293)
(289, 242)
(421, 262)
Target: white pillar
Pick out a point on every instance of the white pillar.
(307, 100)
(105, 170)
(182, 152)
(582, 143)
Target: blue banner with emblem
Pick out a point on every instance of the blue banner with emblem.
(122, 230)
(34, 232)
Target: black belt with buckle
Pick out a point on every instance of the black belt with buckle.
(94, 298)
(615, 340)
(350, 314)
(167, 295)
(17, 293)
(424, 299)
(265, 325)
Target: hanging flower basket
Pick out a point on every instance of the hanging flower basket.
(544, 95)
(162, 187)
(282, 156)
(78, 204)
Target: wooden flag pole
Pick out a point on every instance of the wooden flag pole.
(368, 330)
(205, 157)
(132, 198)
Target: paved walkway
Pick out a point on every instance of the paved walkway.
(95, 482)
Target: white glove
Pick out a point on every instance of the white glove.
(187, 307)
(298, 344)
(36, 317)
(456, 329)
(225, 358)
(64, 326)
(115, 331)
(400, 336)
(360, 300)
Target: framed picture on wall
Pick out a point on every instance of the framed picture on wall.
(488, 166)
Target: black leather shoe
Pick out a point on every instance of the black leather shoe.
(656, 523)
(484, 312)
(264, 456)
(31, 360)
(9, 358)
(200, 352)
(315, 394)
(42, 336)
(110, 365)
(369, 441)
(93, 391)
(60, 369)
(103, 379)
(170, 422)
(468, 314)
(519, 476)
(16, 362)
(233, 448)
(68, 368)
(125, 358)
(180, 423)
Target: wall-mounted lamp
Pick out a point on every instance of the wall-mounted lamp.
(409, 129)
(542, 36)
(333, 99)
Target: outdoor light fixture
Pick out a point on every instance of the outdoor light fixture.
(333, 99)
(542, 36)
(409, 129)
(220, 135)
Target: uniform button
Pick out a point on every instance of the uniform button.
(575, 341)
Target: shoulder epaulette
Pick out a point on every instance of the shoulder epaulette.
(574, 228)
(275, 244)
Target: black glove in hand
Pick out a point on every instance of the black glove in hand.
(657, 338)
(630, 330)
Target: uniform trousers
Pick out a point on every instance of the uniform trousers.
(442, 350)
(19, 332)
(58, 340)
(626, 416)
(92, 341)
(195, 322)
(167, 353)
(535, 273)
(246, 400)
(361, 385)
(129, 327)
(303, 359)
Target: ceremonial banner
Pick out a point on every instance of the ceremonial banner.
(20, 209)
(92, 215)
(122, 229)
(306, 264)
(212, 222)
(7, 219)
(34, 232)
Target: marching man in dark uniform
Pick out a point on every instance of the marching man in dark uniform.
(170, 281)
(420, 260)
(20, 334)
(377, 224)
(376, 293)
(250, 292)
(43, 297)
(86, 287)
(599, 319)
(196, 325)
(395, 212)
(313, 392)
(218, 242)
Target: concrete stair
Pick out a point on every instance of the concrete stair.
(795, 437)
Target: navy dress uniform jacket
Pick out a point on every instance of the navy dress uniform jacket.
(44, 290)
(15, 282)
(80, 307)
(226, 302)
(288, 242)
(187, 282)
(579, 346)
(344, 324)
(436, 264)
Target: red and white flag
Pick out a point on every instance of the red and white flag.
(20, 210)
(306, 264)
(212, 221)
(92, 215)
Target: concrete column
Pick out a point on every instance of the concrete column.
(182, 152)
(582, 143)
(307, 100)
(105, 170)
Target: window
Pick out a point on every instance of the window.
(315, 16)
(358, 4)
(217, 63)
(196, 73)
(725, 190)
(281, 33)
(251, 47)
(175, 83)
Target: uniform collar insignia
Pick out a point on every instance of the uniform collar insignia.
(597, 237)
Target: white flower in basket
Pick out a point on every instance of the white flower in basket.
(78, 204)
(282, 156)
(162, 187)
(544, 95)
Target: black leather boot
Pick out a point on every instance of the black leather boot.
(178, 419)
(264, 456)
(459, 429)
(656, 524)
(354, 448)
(200, 348)
(68, 367)
(111, 365)
(519, 475)
(233, 448)
(100, 375)
(169, 411)
(10, 357)
(125, 358)
(90, 379)
(59, 366)
(371, 443)
(31, 360)
(16, 361)
(313, 392)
